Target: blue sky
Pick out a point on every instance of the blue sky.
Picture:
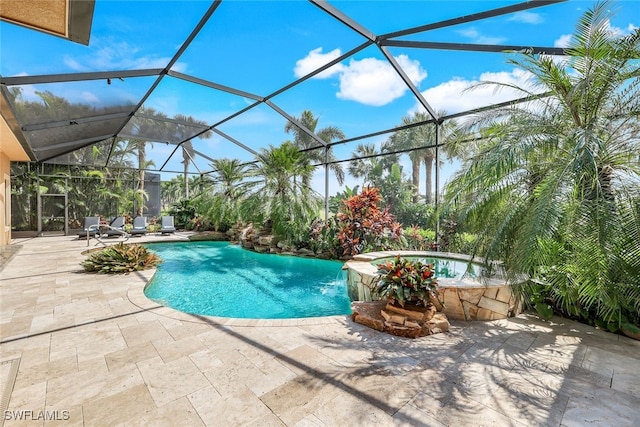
(261, 46)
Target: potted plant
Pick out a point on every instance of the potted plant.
(403, 281)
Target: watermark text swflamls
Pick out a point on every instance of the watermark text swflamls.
(29, 415)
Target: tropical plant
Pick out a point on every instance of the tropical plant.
(403, 280)
(280, 193)
(412, 138)
(183, 211)
(335, 202)
(303, 141)
(419, 239)
(230, 177)
(364, 226)
(553, 187)
(121, 258)
(369, 163)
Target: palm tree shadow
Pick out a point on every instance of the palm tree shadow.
(505, 369)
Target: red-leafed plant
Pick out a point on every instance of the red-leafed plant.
(403, 280)
(364, 226)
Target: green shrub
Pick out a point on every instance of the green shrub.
(121, 258)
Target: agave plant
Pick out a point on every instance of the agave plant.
(121, 258)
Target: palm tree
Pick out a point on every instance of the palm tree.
(553, 189)
(186, 129)
(229, 175)
(280, 193)
(303, 140)
(369, 163)
(411, 138)
(149, 122)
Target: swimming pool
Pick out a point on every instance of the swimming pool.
(220, 279)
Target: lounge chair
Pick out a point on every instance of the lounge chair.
(167, 225)
(139, 226)
(116, 227)
(91, 224)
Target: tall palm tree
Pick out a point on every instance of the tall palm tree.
(188, 127)
(280, 192)
(553, 189)
(411, 138)
(449, 135)
(303, 140)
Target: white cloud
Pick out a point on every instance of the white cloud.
(371, 81)
(477, 37)
(316, 59)
(562, 41)
(89, 97)
(110, 54)
(526, 18)
(631, 28)
(451, 97)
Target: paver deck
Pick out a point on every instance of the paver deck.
(91, 350)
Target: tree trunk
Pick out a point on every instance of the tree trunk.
(428, 164)
(186, 179)
(415, 179)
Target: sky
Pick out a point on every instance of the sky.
(261, 46)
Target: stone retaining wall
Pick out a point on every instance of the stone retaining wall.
(464, 299)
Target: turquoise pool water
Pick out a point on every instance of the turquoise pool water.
(220, 279)
(445, 268)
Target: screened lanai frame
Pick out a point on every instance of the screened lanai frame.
(54, 134)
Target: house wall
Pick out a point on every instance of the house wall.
(10, 150)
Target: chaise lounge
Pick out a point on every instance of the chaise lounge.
(116, 227)
(139, 226)
(167, 225)
(91, 225)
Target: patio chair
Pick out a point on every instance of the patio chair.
(167, 225)
(116, 227)
(139, 226)
(91, 224)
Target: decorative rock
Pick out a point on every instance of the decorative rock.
(453, 305)
(367, 321)
(504, 294)
(210, 235)
(471, 295)
(265, 240)
(393, 318)
(494, 305)
(419, 313)
(372, 314)
(402, 331)
(305, 252)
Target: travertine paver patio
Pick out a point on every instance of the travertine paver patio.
(93, 349)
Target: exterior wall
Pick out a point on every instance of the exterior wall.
(5, 199)
(10, 150)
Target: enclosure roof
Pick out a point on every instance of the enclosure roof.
(223, 79)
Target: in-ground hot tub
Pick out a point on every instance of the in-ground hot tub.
(467, 294)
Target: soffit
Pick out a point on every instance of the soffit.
(70, 19)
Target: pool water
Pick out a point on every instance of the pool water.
(220, 279)
(445, 268)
